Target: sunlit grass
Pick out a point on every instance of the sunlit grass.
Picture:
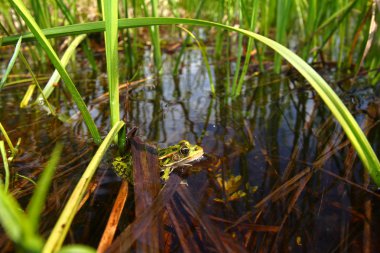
(45, 44)
(62, 226)
(3, 153)
(55, 77)
(23, 227)
(110, 15)
(11, 63)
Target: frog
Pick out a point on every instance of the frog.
(179, 155)
(122, 165)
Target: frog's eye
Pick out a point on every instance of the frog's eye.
(184, 151)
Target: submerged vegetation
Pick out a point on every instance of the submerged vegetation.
(243, 40)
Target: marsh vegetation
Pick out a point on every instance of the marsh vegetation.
(281, 97)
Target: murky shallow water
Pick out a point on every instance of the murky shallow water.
(278, 136)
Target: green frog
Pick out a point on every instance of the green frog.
(122, 165)
(181, 154)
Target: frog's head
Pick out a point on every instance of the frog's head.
(180, 154)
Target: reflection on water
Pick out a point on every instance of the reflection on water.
(310, 188)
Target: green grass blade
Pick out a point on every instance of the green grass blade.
(156, 36)
(341, 12)
(36, 30)
(255, 8)
(65, 11)
(86, 48)
(110, 14)
(77, 249)
(204, 56)
(328, 34)
(239, 49)
(339, 110)
(26, 178)
(63, 224)
(31, 87)
(6, 166)
(49, 87)
(153, 31)
(29, 92)
(11, 63)
(37, 202)
(16, 225)
(282, 21)
(187, 39)
(219, 34)
(8, 140)
(371, 35)
(41, 13)
(10, 216)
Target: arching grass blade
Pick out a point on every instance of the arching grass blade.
(11, 63)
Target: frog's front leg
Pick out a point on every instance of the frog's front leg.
(167, 171)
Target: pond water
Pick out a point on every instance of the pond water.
(301, 187)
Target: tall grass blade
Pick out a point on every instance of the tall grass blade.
(24, 102)
(37, 201)
(31, 87)
(371, 35)
(332, 28)
(156, 36)
(49, 87)
(6, 166)
(65, 11)
(336, 15)
(40, 11)
(110, 14)
(311, 19)
(7, 17)
(16, 224)
(238, 63)
(36, 30)
(63, 224)
(239, 50)
(282, 20)
(8, 140)
(77, 249)
(153, 30)
(204, 56)
(11, 63)
(128, 48)
(187, 39)
(255, 8)
(219, 34)
(86, 48)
